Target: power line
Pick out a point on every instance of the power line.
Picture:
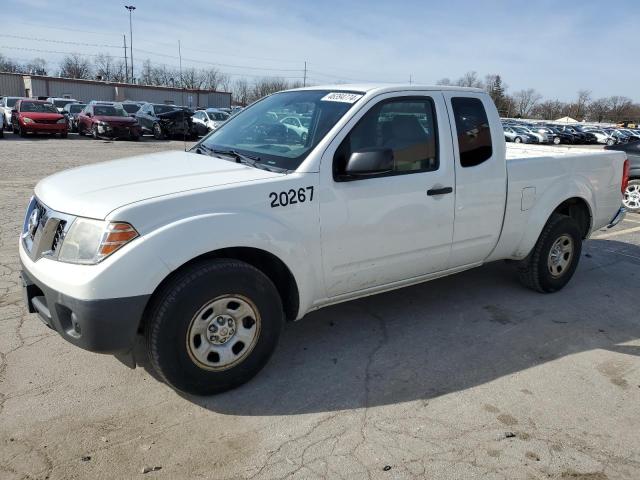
(62, 42)
(38, 50)
(216, 64)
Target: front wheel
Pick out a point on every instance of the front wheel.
(554, 258)
(94, 132)
(214, 326)
(517, 140)
(631, 198)
(611, 141)
(556, 140)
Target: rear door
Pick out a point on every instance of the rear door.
(393, 227)
(481, 176)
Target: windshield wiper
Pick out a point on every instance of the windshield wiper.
(238, 157)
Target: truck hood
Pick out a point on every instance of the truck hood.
(96, 190)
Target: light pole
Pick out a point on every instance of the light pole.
(131, 8)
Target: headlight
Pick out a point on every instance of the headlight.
(62, 120)
(27, 120)
(91, 241)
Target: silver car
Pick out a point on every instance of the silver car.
(6, 105)
(510, 135)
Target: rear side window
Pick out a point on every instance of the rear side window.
(474, 134)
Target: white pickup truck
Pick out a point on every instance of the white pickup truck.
(206, 253)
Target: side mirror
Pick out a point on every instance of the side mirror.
(368, 162)
(88, 114)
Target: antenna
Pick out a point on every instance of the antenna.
(184, 116)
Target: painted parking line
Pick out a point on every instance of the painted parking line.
(618, 232)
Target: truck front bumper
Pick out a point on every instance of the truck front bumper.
(104, 326)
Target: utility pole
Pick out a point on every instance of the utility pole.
(304, 81)
(410, 79)
(126, 65)
(131, 8)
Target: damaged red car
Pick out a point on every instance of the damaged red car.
(110, 121)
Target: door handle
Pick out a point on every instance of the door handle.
(439, 191)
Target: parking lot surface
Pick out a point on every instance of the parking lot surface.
(470, 376)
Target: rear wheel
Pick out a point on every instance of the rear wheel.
(631, 199)
(214, 326)
(554, 259)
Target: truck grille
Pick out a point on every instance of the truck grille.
(58, 236)
(44, 230)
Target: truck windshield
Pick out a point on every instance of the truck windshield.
(258, 132)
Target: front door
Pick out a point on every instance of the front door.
(399, 225)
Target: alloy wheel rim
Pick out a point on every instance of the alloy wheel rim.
(560, 256)
(223, 332)
(632, 197)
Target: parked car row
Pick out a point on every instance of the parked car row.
(551, 133)
(106, 119)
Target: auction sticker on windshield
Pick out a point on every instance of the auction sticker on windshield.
(341, 97)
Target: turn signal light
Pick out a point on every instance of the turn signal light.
(116, 236)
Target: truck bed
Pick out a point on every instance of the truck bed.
(520, 150)
(537, 175)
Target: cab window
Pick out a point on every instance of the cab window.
(474, 134)
(406, 125)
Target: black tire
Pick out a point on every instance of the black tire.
(534, 271)
(64, 135)
(557, 140)
(135, 138)
(157, 132)
(20, 131)
(94, 132)
(178, 304)
(517, 140)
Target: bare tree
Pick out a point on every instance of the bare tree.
(8, 65)
(580, 108)
(444, 81)
(549, 110)
(599, 110)
(105, 67)
(267, 86)
(37, 66)
(470, 79)
(241, 91)
(525, 100)
(619, 108)
(75, 66)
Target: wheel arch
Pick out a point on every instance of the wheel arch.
(578, 209)
(268, 263)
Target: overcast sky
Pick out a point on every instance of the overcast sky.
(555, 47)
